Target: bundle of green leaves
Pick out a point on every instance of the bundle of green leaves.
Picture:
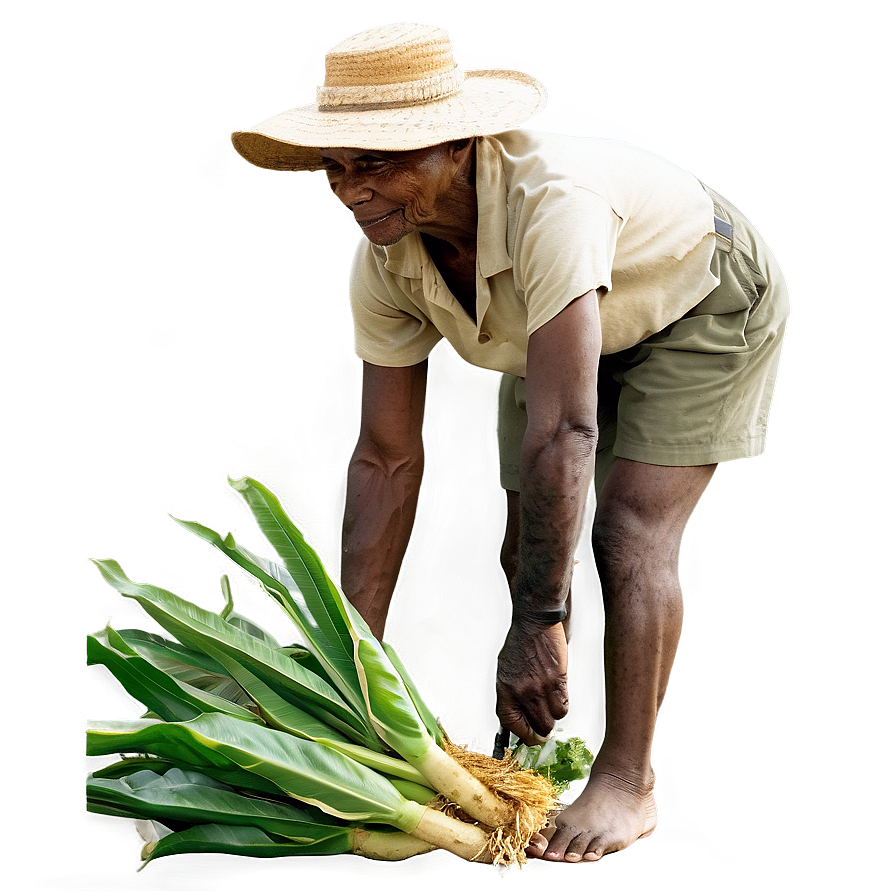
(560, 761)
(256, 748)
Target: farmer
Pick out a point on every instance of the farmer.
(637, 318)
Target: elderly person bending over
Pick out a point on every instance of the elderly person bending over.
(637, 318)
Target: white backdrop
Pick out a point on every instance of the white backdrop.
(175, 316)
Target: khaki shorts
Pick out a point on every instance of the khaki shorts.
(699, 391)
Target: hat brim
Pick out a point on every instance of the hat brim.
(489, 102)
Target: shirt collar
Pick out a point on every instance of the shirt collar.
(408, 257)
(491, 200)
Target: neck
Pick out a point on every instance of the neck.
(455, 225)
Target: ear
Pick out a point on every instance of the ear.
(459, 148)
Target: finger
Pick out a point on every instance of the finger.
(539, 717)
(517, 723)
(532, 720)
(558, 701)
(514, 719)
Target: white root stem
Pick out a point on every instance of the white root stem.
(453, 781)
(464, 840)
(388, 846)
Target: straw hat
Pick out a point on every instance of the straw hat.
(393, 88)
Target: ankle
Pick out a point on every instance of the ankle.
(635, 778)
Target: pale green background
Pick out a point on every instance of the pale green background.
(168, 321)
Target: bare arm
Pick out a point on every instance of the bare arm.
(383, 485)
(556, 467)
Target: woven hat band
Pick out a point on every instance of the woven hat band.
(391, 54)
(389, 96)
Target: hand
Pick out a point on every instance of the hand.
(531, 680)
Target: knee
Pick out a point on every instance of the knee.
(616, 541)
(628, 544)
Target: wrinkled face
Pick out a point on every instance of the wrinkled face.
(391, 194)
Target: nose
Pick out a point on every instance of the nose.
(351, 188)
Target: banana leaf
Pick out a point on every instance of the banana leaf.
(246, 625)
(429, 720)
(327, 647)
(190, 666)
(285, 716)
(395, 716)
(181, 797)
(232, 776)
(248, 841)
(390, 705)
(130, 764)
(207, 632)
(149, 736)
(169, 656)
(321, 595)
(160, 693)
(302, 769)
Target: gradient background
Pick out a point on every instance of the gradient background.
(175, 316)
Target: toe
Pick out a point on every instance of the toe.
(595, 850)
(558, 845)
(577, 848)
(537, 845)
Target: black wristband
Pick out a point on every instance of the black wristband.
(546, 617)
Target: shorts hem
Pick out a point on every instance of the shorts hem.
(510, 478)
(691, 455)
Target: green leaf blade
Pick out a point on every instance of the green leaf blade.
(159, 692)
(206, 632)
(183, 796)
(426, 715)
(247, 841)
(303, 770)
(328, 650)
(300, 560)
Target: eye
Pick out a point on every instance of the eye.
(373, 163)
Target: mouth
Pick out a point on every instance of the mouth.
(364, 225)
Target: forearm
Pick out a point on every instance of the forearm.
(381, 502)
(555, 475)
(556, 467)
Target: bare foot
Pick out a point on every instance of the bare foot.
(610, 814)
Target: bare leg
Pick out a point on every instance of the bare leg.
(641, 516)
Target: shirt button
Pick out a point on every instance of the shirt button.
(483, 338)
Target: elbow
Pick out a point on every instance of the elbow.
(389, 462)
(572, 438)
(580, 436)
(580, 431)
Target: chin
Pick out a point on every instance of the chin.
(387, 240)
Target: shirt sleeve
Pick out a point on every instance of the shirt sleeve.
(390, 330)
(564, 246)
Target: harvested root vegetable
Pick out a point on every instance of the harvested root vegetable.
(334, 726)
(531, 798)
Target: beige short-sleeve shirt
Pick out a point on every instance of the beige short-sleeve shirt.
(557, 217)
